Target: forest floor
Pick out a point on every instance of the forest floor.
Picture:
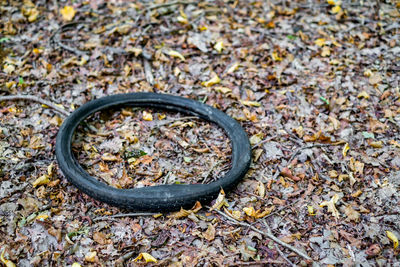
(314, 84)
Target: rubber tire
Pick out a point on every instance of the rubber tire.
(161, 197)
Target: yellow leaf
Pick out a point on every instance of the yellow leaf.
(331, 205)
(147, 116)
(42, 180)
(146, 256)
(233, 68)
(176, 54)
(267, 211)
(249, 211)
(76, 264)
(345, 149)
(221, 201)
(68, 13)
(221, 89)
(394, 239)
(42, 217)
(320, 42)
(250, 103)
(33, 14)
(8, 68)
(219, 46)
(182, 20)
(276, 57)
(331, 2)
(6, 262)
(311, 211)
(363, 94)
(236, 214)
(109, 157)
(256, 138)
(368, 73)
(336, 9)
(91, 256)
(376, 144)
(212, 81)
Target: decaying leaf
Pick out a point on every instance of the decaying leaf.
(209, 234)
(147, 116)
(184, 213)
(219, 46)
(235, 214)
(331, 205)
(352, 215)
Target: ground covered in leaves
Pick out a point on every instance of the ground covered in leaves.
(315, 85)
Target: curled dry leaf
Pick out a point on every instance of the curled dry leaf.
(146, 257)
(220, 201)
(42, 180)
(393, 238)
(235, 214)
(214, 80)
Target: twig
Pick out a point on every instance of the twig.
(278, 249)
(124, 215)
(170, 4)
(264, 141)
(249, 263)
(35, 99)
(123, 258)
(311, 146)
(148, 71)
(267, 234)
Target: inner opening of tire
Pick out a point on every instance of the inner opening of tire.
(138, 147)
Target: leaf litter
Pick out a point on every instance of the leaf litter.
(314, 84)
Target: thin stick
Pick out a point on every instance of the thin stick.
(267, 234)
(171, 4)
(148, 72)
(35, 99)
(264, 141)
(277, 247)
(124, 215)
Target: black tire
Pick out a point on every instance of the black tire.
(161, 197)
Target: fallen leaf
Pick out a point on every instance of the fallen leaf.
(176, 54)
(209, 234)
(6, 262)
(214, 80)
(331, 205)
(393, 238)
(68, 13)
(320, 42)
(219, 46)
(90, 256)
(146, 256)
(147, 116)
(220, 201)
(345, 149)
(352, 215)
(233, 68)
(363, 94)
(250, 103)
(42, 180)
(375, 78)
(311, 210)
(336, 9)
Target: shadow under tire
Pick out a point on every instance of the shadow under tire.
(161, 197)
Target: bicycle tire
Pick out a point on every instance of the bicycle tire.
(160, 197)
